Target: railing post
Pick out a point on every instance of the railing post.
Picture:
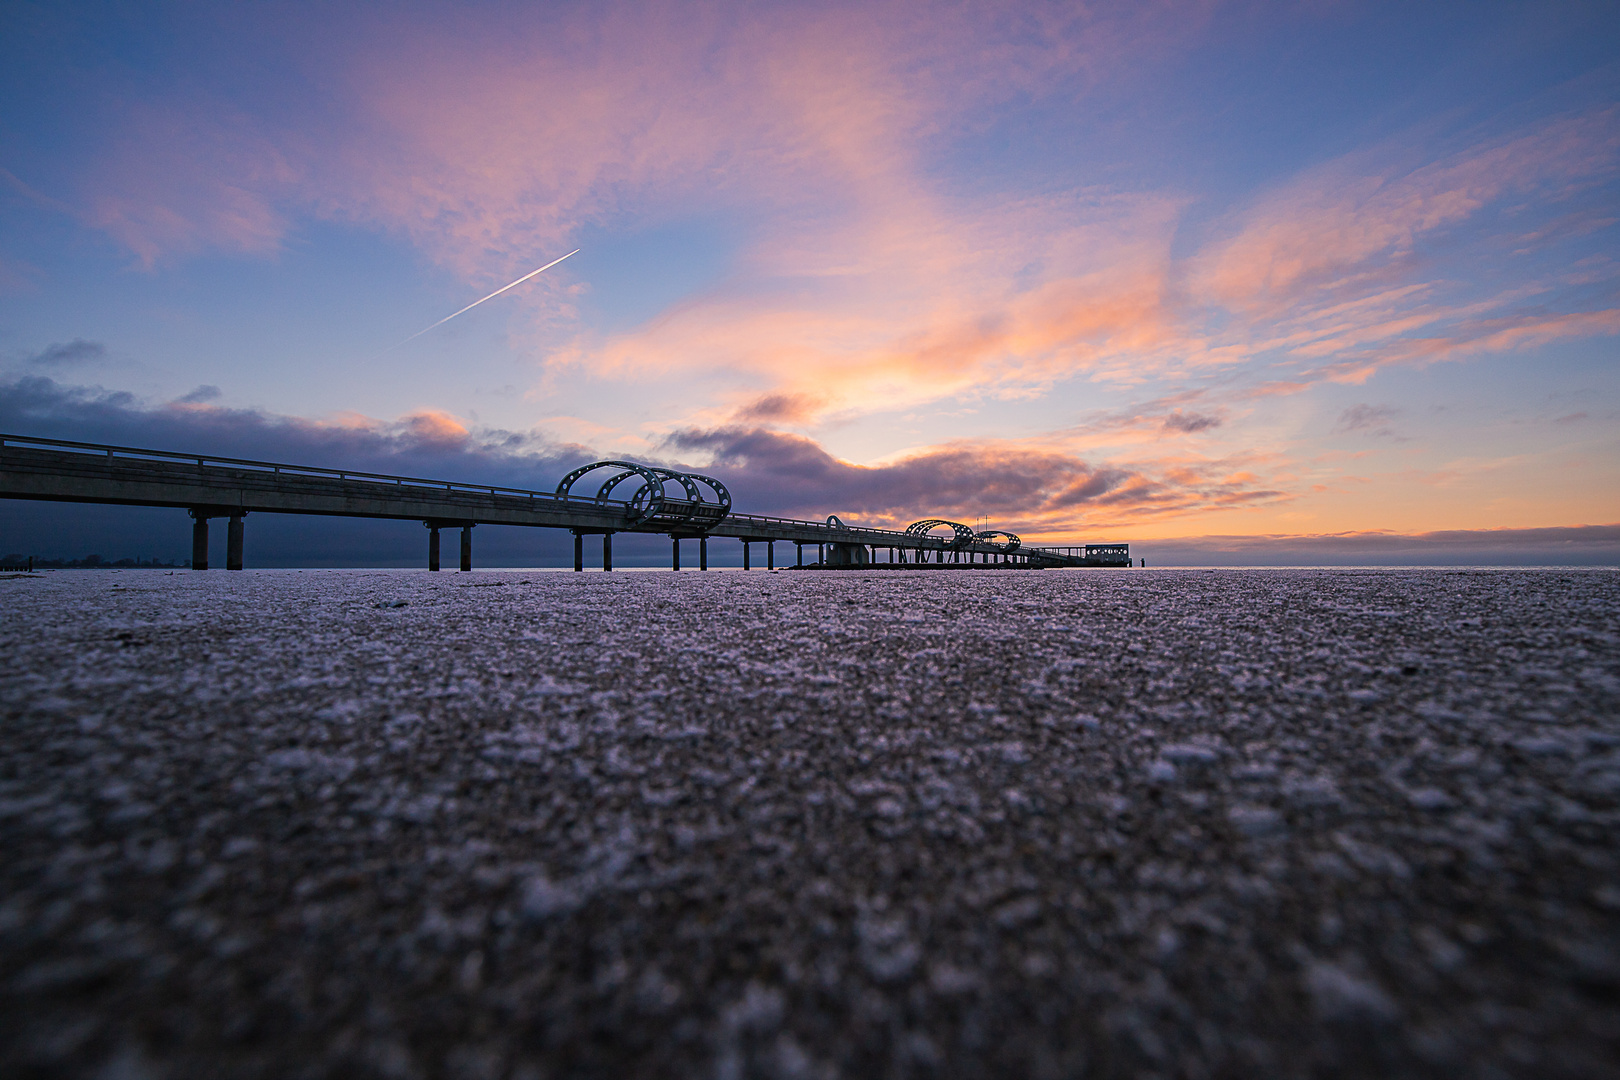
(233, 543)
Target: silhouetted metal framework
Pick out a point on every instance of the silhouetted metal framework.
(1011, 540)
(963, 537)
(649, 501)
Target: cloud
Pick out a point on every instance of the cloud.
(1028, 489)
(1371, 419)
(177, 182)
(77, 351)
(816, 128)
(778, 408)
(426, 443)
(1190, 423)
(201, 395)
(1337, 220)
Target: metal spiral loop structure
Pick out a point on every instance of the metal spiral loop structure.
(963, 534)
(989, 535)
(649, 500)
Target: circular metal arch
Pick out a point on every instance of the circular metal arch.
(721, 494)
(645, 502)
(988, 537)
(693, 496)
(963, 534)
(649, 499)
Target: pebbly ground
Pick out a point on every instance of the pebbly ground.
(810, 824)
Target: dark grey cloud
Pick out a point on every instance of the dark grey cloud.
(791, 475)
(1191, 422)
(40, 406)
(1368, 419)
(63, 354)
(202, 394)
(778, 409)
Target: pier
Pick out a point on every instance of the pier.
(627, 497)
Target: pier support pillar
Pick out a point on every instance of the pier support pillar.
(466, 548)
(798, 558)
(821, 554)
(849, 555)
(770, 554)
(607, 551)
(703, 553)
(747, 555)
(579, 551)
(675, 555)
(233, 543)
(199, 540)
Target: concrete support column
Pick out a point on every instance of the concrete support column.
(433, 548)
(821, 554)
(770, 554)
(466, 548)
(675, 554)
(607, 551)
(199, 541)
(579, 551)
(747, 558)
(798, 557)
(233, 543)
(703, 553)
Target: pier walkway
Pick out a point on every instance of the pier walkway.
(699, 507)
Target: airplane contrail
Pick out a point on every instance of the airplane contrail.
(475, 303)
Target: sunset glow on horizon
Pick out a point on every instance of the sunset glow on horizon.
(1127, 272)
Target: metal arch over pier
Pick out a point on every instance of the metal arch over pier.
(211, 487)
(960, 534)
(1010, 541)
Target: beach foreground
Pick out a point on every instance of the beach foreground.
(807, 824)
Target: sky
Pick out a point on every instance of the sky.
(1251, 276)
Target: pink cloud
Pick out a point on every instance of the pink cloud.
(179, 183)
(1340, 222)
